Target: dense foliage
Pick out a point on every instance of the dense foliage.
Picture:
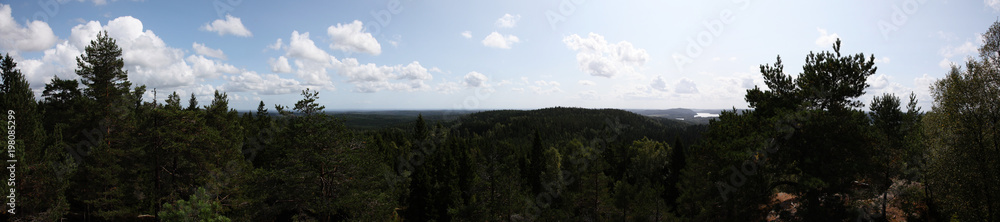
(92, 150)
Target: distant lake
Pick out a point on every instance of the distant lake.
(705, 115)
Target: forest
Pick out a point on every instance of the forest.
(91, 149)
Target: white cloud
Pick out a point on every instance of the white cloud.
(598, 58)
(467, 34)
(206, 68)
(951, 51)
(945, 63)
(352, 37)
(503, 82)
(543, 87)
(475, 79)
(59, 60)
(686, 86)
(496, 40)
(301, 47)
(508, 21)
(206, 51)
(147, 58)
(313, 73)
(659, 84)
(280, 65)
(278, 44)
(883, 60)
(826, 40)
(448, 87)
(369, 77)
(587, 83)
(924, 81)
(35, 36)
(879, 82)
(413, 71)
(995, 4)
(268, 84)
(232, 26)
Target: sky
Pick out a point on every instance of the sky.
(412, 55)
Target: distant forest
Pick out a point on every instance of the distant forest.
(90, 149)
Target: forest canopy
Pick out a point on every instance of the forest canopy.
(91, 149)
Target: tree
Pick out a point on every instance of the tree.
(199, 207)
(678, 161)
(44, 181)
(963, 136)
(173, 101)
(192, 103)
(804, 137)
(101, 71)
(536, 164)
(308, 105)
(887, 119)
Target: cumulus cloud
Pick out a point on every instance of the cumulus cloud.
(301, 47)
(995, 4)
(508, 21)
(474, 79)
(148, 60)
(951, 51)
(280, 65)
(496, 40)
(231, 26)
(34, 36)
(370, 77)
(543, 87)
(826, 40)
(467, 34)
(201, 49)
(278, 44)
(945, 63)
(206, 68)
(599, 58)
(352, 37)
(879, 82)
(587, 83)
(659, 84)
(268, 84)
(686, 86)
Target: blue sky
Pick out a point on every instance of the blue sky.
(405, 54)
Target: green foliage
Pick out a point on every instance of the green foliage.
(201, 206)
(962, 138)
(101, 70)
(807, 138)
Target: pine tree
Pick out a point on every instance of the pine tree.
(101, 71)
(173, 102)
(192, 103)
(42, 174)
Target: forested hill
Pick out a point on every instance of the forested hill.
(568, 123)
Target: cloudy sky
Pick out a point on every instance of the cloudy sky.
(405, 54)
